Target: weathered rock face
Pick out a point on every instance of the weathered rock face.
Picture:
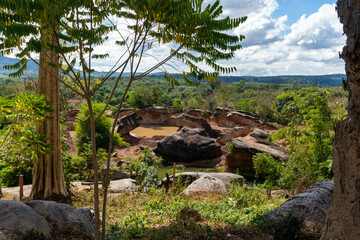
(245, 148)
(205, 184)
(51, 218)
(156, 115)
(234, 133)
(189, 177)
(123, 185)
(188, 145)
(128, 122)
(244, 119)
(185, 120)
(309, 207)
(199, 113)
(124, 112)
(343, 218)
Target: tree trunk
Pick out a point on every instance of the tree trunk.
(343, 218)
(48, 177)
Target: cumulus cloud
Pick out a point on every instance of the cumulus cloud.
(310, 46)
(319, 30)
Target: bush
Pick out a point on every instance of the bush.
(266, 165)
(102, 129)
(145, 169)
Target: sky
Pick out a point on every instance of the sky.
(282, 37)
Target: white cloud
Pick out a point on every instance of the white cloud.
(309, 46)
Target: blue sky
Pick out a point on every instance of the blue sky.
(295, 8)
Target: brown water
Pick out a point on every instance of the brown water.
(150, 131)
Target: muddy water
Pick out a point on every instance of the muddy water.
(149, 131)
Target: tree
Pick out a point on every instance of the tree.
(343, 218)
(28, 27)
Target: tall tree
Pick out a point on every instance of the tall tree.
(343, 218)
(27, 27)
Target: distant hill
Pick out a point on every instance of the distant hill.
(321, 80)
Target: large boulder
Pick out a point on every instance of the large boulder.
(244, 119)
(123, 185)
(244, 148)
(54, 220)
(183, 120)
(206, 184)
(128, 122)
(309, 208)
(18, 218)
(77, 223)
(156, 115)
(188, 145)
(190, 177)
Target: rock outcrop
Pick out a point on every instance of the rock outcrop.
(244, 148)
(128, 122)
(156, 116)
(185, 120)
(199, 113)
(189, 177)
(235, 132)
(54, 220)
(206, 184)
(188, 145)
(309, 208)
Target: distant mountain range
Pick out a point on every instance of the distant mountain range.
(322, 80)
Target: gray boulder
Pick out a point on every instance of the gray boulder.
(18, 218)
(185, 120)
(54, 220)
(189, 177)
(309, 207)
(244, 148)
(188, 145)
(78, 223)
(128, 122)
(123, 185)
(206, 184)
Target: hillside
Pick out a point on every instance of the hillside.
(322, 80)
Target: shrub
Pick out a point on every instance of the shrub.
(243, 196)
(102, 129)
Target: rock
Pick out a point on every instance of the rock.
(77, 223)
(188, 145)
(54, 220)
(310, 207)
(118, 174)
(189, 177)
(123, 185)
(199, 113)
(124, 112)
(128, 122)
(244, 119)
(219, 117)
(234, 133)
(244, 148)
(156, 116)
(18, 218)
(185, 120)
(206, 184)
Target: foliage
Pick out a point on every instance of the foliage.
(19, 142)
(133, 227)
(265, 164)
(145, 96)
(144, 169)
(102, 130)
(243, 196)
(310, 146)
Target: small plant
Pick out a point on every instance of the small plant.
(134, 227)
(33, 235)
(246, 195)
